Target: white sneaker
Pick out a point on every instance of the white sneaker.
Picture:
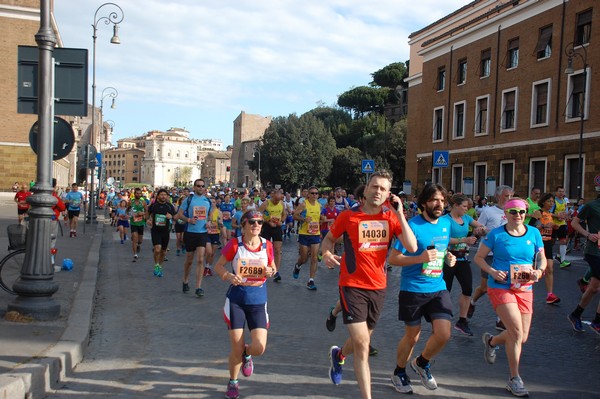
(425, 374)
(401, 383)
(489, 352)
(516, 387)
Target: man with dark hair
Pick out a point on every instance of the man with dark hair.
(368, 231)
(423, 291)
(160, 216)
(139, 207)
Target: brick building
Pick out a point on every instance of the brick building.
(19, 22)
(248, 129)
(487, 84)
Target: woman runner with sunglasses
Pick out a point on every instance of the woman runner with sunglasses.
(519, 261)
(252, 262)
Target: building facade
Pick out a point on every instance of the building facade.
(248, 129)
(124, 165)
(490, 102)
(216, 168)
(19, 22)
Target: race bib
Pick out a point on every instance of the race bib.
(520, 276)
(313, 228)
(160, 220)
(434, 268)
(137, 218)
(200, 212)
(373, 235)
(212, 228)
(253, 272)
(276, 220)
(226, 215)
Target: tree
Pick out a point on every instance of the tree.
(296, 151)
(346, 169)
(363, 99)
(185, 174)
(390, 76)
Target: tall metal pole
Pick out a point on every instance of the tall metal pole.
(35, 286)
(114, 17)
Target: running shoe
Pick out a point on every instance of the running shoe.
(463, 327)
(516, 387)
(122, 242)
(199, 292)
(500, 326)
(331, 319)
(233, 390)
(401, 383)
(564, 264)
(311, 285)
(159, 272)
(576, 323)
(489, 352)
(373, 351)
(247, 366)
(156, 270)
(135, 258)
(178, 252)
(296, 272)
(185, 287)
(319, 257)
(138, 248)
(207, 272)
(557, 258)
(551, 299)
(183, 250)
(582, 285)
(425, 374)
(277, 277)
(595, 327)
(335, 369)
(471, 310)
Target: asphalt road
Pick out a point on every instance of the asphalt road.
(150, 340)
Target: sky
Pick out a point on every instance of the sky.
(196, 64)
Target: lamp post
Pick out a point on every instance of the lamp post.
(571, 53)
(257, 150)
(112, 93)
(114, 17)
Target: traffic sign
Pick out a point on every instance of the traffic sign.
(597, 180)
(368, 166)
(441, 159)
(64, 138)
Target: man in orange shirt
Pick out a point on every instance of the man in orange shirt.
(368, 229)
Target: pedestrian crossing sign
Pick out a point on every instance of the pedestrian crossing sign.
(441, 159)
(368, 166)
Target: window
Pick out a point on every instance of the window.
(438, 124)
(507, 173)
(135, 156)
(544, 44)
(513, 53)
(459, 120)
(436, 175)
(481, 115)
(577, 103)
(134, 163)
(509, 110)
(457, 178)
(540, 111)
(486, 63)
(584, 28)
(480, 173)
(462, 71)
(572, 183)
(441, 78)
(537, 173)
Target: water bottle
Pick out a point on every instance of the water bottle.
(67, 264)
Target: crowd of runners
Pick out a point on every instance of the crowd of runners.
(238, 236)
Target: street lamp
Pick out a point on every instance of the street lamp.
(571, 53)
(114, 17)
(257, 150)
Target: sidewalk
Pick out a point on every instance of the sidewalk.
(36, 355)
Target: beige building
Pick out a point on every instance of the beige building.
(488, 90)
(19, 22)
(248, 129)
(216, 167)
(123, 165)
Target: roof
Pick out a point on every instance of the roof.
(471, 4)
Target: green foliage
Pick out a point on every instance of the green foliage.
(363, 99)
(390, 76)
(346, 170)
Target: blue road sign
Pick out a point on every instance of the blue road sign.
(441, 159)
(368, 166)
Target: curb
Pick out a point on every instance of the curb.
(38, 377)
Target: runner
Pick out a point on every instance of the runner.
(138, 214)
(560, 218)
(180, 226)
(236, 222)
(122, 220)
(73, 200)
(288, 204)
(533, 209)
(57, 209)
(308, 213)
(274, 214)
(328, 215)
(548, 229)
(516, 246)
(460, 241)
(423, 291)
(227, 211)
(21, 200)
(160, 215)
(214, 224)
(252, 262)
(368, 231)
(590, 215)
(194, 212)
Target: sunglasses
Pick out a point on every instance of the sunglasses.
(255, 221)
(516, 211)
(199, 185)
(314, 192)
